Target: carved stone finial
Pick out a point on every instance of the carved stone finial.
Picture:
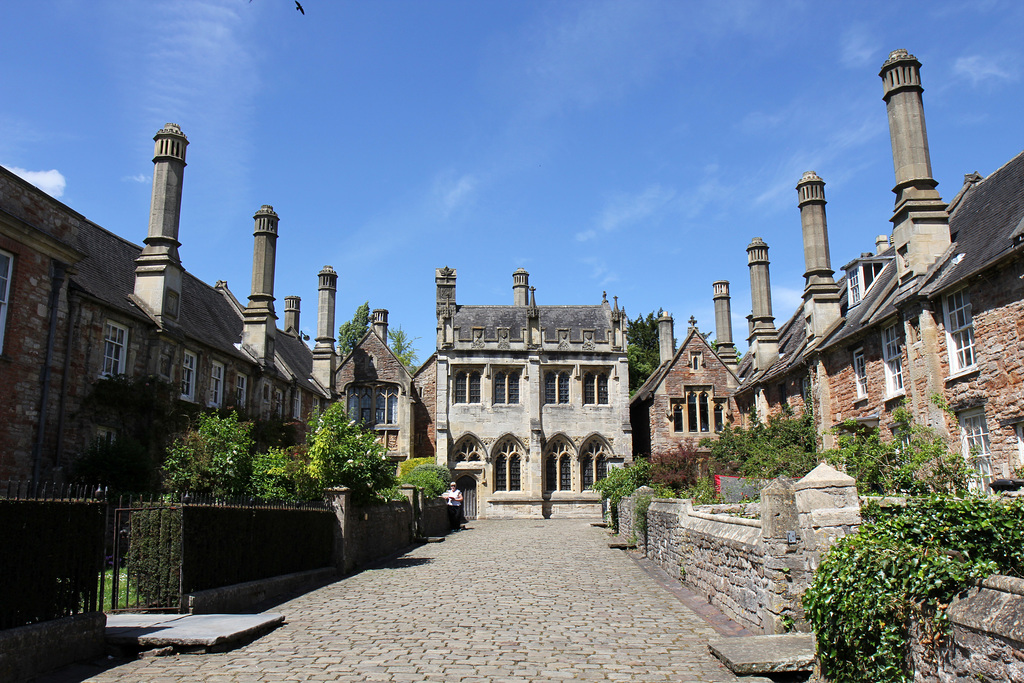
(693, 321)
(604, 297)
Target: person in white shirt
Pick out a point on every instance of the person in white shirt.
(453, 496)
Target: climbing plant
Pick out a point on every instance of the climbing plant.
(902, 566)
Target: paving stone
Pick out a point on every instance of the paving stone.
(505, 601)
(766, 654)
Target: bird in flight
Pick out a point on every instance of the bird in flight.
(299, 7)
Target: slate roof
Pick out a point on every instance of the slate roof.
(552, 318)
(986, 225)
(207, 315)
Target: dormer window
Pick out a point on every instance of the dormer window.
(860, 275)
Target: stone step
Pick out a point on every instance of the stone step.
(765, 654)
(188, 632)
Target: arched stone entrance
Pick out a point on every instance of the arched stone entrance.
(467, 485)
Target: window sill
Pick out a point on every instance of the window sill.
(961, 374)
(860, 401)
(899, 394)
(383, 427)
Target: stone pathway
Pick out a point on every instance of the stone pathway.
(524, 600)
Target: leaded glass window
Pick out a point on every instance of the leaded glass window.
(565, 473)
(514, 474)
(500, 473)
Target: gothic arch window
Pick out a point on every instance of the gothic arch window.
(556, 387)
(467, 386)
(696, 410)
(507, 472)
(558, 466)
(595, 388)
(468, 450)
(593, 463)
(373, 404)
(506, 387)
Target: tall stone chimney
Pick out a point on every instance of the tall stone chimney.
(521, 287)
(158, 267)
(881, 244)
(666, 338)
(325, 360)
(764, 338)
(259, 320)
(821, 293)
(291, 314)
(723, 323)
(444, 279)
(380, 324)
(920, 222)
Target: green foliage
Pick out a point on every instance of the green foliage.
(402, 346)
(621, 482)
(643, 352)
(343, 453)
(121, 465)
(702, 492)
(784, 446)
(350, 332)
(407, 466)
(432, 479)
(278, 474)
(902, 565)
(916, 461)
(144, 414)
(214, 456)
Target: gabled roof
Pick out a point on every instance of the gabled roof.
(792, 344)
(652, 383)
(366, 339)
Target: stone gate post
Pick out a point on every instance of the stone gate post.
(340, 500)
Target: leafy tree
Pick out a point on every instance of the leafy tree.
(350, 332)
(786, 445)
(643, 353)
(341, 452)
(213, 456)
(402, 347)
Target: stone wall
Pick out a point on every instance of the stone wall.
(986, 641)
(754, 570)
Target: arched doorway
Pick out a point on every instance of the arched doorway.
(467, 485)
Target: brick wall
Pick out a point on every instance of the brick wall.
(423, 409)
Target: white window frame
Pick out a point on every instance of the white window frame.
(959, 332)
(296, 403)
(976, 446)
(189, 361)
(892, 355)
(216, 384)
(241, 387)
(278, 403)
(115, 349)
(6, 273)
(860, 373)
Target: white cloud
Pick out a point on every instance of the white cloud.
(857, 48)
(626, 210)
(51, 182)
(140, 178)
(600, 270)
(452, 193)
(978, 69)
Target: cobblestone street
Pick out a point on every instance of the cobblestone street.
(529, 600)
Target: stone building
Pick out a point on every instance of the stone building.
(377, 389)
(80, 303)
(688, 398)
(937, 310)
(530, 403)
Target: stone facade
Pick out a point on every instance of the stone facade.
(687, 399)
(84, 303)
(377, 390)
(935, 310)
(531, 402)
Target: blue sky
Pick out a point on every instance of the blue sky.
(632, 147)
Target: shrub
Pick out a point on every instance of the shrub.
(407, 466)
(621, 482)
(341, 452)
(679, 468)
(121, 465)
(916, 461)
(901, 566)
(785, 446)
(432, 479)
(214, 456)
